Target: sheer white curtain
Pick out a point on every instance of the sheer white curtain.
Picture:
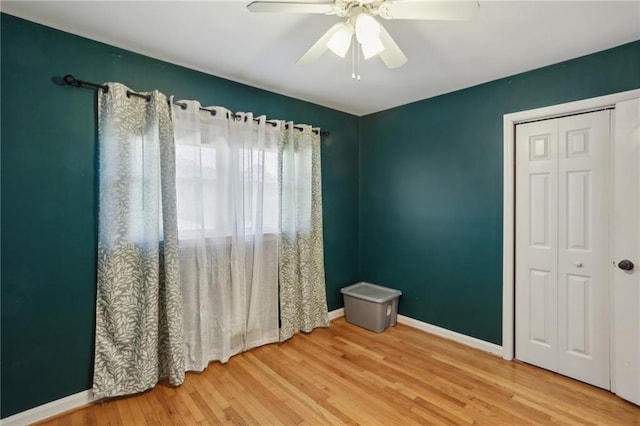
(228, 209)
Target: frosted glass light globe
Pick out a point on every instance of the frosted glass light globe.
(368, 35)
(367, 28)
(372, 48)
(341, 40)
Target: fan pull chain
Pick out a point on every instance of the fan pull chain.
(355, 61)
(358, 62)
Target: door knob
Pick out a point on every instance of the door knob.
(578, 264)
(625, 265)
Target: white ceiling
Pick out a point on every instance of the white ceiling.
(224, 39)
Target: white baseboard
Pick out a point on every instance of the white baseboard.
(336, 313)
(50, 409)
(438, 331)
(452, 335)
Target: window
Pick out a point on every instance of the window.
(225, 187)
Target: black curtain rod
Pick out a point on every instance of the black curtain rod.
(72, 81)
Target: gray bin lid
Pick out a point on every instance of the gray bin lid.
(371, 292)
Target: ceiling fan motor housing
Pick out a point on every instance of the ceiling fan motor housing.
(350, 9)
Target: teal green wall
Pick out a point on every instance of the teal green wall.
(412, 196)
(431, 188)
(48, 177)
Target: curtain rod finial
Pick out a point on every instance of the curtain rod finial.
(71, 80)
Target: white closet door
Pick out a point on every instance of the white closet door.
(626, 226)
(562, 245)
(537, 243)
(583, 247)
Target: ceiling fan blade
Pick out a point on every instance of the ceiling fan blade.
(457, 10)
(320, 46)
(286, 7)
(392, 56)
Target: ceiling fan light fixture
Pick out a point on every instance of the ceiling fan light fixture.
(340, 41)
(367, 28)
(368, 35)
(372, 48)
(360, 18)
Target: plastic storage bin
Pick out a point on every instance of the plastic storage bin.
(371, 306)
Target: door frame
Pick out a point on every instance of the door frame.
(508, 222)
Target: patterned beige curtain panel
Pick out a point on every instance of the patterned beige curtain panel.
(303, 298)
(139, 336)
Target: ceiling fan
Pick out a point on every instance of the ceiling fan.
(359, 19)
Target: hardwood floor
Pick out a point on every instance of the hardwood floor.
(348, 375)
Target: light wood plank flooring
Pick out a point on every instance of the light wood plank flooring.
(348, 375)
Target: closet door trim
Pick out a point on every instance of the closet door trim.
(508, 239)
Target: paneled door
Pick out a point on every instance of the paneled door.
(562, 245)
